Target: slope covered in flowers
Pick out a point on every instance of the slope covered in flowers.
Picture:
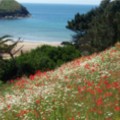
(87, 88)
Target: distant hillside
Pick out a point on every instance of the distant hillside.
(12, 9)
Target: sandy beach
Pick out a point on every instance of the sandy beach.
(26, 46)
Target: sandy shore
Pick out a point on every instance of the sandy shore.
(26, 46)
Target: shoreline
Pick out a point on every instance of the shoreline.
(27, 46)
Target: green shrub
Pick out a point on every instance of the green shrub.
(46, 63)
(42, 58)
(45, 58)
(7, 70)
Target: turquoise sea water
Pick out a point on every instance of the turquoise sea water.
(47, 23)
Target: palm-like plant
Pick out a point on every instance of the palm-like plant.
(7, 44)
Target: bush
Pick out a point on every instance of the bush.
(42, 58)
(45, 63)
(45, 58)
(7, 70)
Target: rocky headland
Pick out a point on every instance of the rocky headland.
(11, 9)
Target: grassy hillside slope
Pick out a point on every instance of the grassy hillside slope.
(9, 5)
(84, 89)
(12, 8)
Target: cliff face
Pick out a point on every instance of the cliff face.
(12, 9)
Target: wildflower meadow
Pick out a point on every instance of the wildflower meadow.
(87, 88)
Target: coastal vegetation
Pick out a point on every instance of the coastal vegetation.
(7, 46)
(98, 29)
(46, 58)
(12, 9)
(45, 84)
(42, 58)
(87, 88)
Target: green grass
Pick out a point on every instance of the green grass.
(9, 6)
(84, 89)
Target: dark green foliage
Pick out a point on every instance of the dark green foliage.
(43, 58)
(66, 43)
(6, 48)
(46, 58)
(98, 29)
(104, 4)
(7, 70)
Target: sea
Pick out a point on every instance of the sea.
(47, 22)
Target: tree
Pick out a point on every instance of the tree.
(97, 29)
(104, 3)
